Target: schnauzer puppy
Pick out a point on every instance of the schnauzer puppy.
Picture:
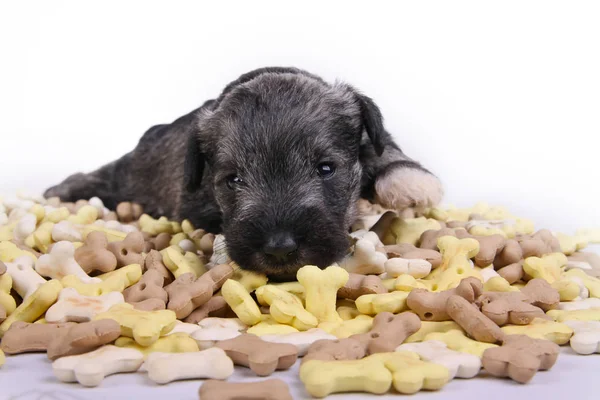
(276, 163)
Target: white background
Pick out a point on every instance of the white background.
(500, 99)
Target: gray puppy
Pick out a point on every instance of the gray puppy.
(276, 163)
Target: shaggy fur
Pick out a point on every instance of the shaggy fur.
(246, 164)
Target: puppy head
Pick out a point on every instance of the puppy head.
(283, 147)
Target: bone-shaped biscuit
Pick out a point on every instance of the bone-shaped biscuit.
(556, 332)
(94, 255)
(388, 332)
(154, 261)
(180, 262)
(586, 339)
(540, 294)
(302, 340)
(520, 357)
(60, 262)
(365, 259)
(355, 326)
(473, 321)
(215, 307)
(65, 230)
(150, 286)
(129, 211)
(428, 327)
(410, 374)
(176, 343)
(212, 363)
(261, 357)
(359, 285)
(321, 290)
(456, 264)
(584, 304)
(212, 330)
(25, 279)
(25, 337)
(459, 364)
(431, 306)
(114, 281)
(74, 307)
(269, 389)
(268, 326)
(82, 338)
(372, 304)
(143, 326)
(33, 306)
(411, 252)
(410, 230)
(394, 267)
(458, 341)
(592, 314)
(91, 368)
(7, 302)
(241, 302)
(187, 292)
(338, 349)
(287, 309)
(128, 251)
(508, 308)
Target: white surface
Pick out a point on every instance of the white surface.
(29, 377)
(500, 99)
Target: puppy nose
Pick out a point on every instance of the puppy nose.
(280, 245)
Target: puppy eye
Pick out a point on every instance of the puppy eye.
(233, 181)
(325, 170)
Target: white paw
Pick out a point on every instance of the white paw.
(408, 187)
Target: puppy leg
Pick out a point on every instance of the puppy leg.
(395, 181)
(101, 183)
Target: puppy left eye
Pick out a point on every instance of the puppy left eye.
(325, 170)
(233, 181)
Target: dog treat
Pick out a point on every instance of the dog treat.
(512, 272)
(355, 326)
(128, 251)
(591, 283)
(456, 264)
(302, 340)
(112, 235)
(74, 307)
(556, 332)
(168, 367)
(143, 326)
(410, 230)
(511, 253)
(84, 216)
(129, 211)
(586, 339)
(248, 279)
(269, 389)
(175, 343)
(417, 268)
(432, 306)
(10, 251)
(7, 302)
(584, 304)
(372, 304)
(388, 332)
(268, 326)
(358, 285)
(365, 259)
(180, 262)
(25, 337)
(240, 302)
(541, 294)
(321, 290)
(215, 307)
(82, 338)
(65, 230)
(473, 321)
(410, 374)
(588, 261)
(150, 286)
(460, 365)
(90, 369)
(149, 305)
(287, 309)
(428, 239)
(60, 262)
(338, 349)
(209, 334)
(94, 255)
(114, 281)
(458, 341)
(575, 315)
(322, 378)
(154, 261)
(183, 327)
(187, 292)
(261, 357)
(294, 288)
(428, 327)
(33, 306)
(161, 241)
(520, 357)
(25, 280)
(411, 252)
(508, 308)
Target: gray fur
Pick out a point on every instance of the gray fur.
(271, 128)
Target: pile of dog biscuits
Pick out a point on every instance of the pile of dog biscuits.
(419, 300)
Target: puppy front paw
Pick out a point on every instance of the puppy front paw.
(405, 187)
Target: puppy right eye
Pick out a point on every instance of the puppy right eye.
(233, 181)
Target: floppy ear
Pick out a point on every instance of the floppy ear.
(373, 122)
(194, 164)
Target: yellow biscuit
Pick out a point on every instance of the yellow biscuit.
(241, 302)
(114, 281)
(458, 341)
(321, 287)
(179, 342)
(556, 332)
